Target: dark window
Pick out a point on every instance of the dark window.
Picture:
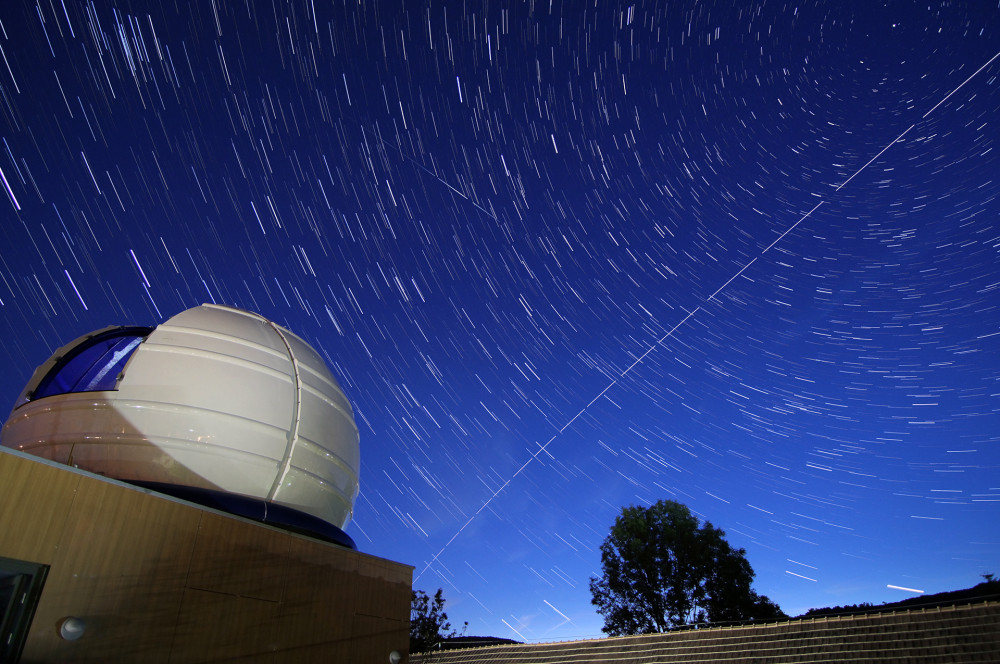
(20, 587)
(94, 365)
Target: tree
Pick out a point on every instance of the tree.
(428, 622)
(661, 570)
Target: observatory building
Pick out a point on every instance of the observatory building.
(179, 493)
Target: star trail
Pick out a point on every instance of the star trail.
(563, 257)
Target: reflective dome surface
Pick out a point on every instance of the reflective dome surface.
(215, 398)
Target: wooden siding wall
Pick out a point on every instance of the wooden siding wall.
(964, 634)
(157, 580)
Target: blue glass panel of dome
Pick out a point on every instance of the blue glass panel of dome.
(93, 366)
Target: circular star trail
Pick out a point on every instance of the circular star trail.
(482, 216)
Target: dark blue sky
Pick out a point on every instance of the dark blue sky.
(483, 216)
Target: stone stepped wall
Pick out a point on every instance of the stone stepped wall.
(954, 634)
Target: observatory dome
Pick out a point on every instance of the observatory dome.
(216, 405)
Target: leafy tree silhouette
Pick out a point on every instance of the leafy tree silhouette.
(662, 569)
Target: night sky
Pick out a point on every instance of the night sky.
(563, 257)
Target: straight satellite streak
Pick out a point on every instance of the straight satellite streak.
(687, 317)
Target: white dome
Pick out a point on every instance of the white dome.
(214, 399)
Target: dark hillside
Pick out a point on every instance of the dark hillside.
(987, 590)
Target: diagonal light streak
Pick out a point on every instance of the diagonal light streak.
(670, 333)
